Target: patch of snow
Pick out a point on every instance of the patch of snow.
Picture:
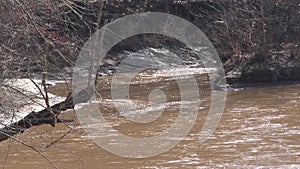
(32, 99)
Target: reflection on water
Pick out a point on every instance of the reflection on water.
(259, 129)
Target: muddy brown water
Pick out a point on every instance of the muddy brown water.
(260, 128)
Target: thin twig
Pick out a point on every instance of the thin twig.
(37, 86)
(7, 153)
(60, 138)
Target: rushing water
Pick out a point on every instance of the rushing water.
(260, 128)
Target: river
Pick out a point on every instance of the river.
(259, 128)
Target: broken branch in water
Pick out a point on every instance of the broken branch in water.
(45, 116)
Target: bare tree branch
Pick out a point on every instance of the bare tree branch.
(45, 116)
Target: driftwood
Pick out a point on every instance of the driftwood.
(46, 116)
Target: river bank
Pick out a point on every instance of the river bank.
(255, 41)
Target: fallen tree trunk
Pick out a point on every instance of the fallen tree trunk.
(46, 116)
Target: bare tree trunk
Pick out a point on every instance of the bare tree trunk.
(263, 29)
(45, 116)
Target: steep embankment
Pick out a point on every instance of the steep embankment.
(257, 40)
